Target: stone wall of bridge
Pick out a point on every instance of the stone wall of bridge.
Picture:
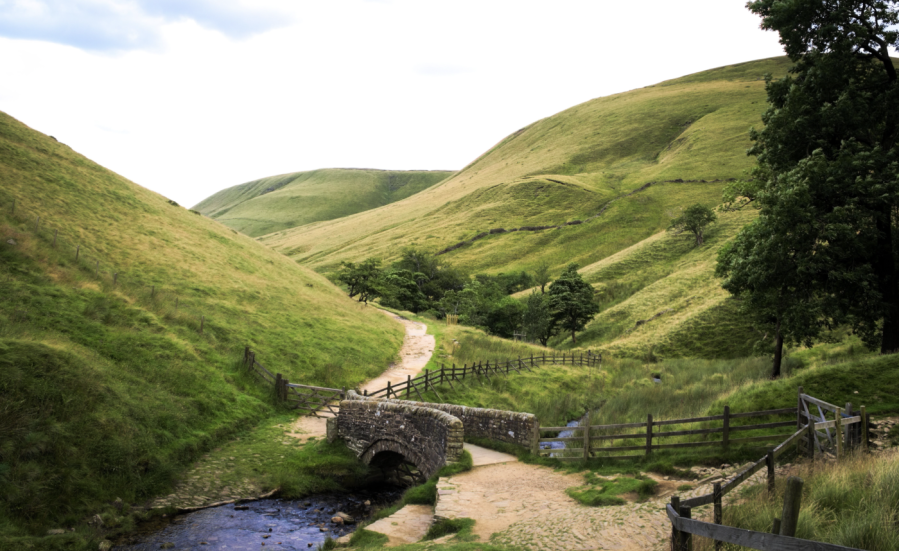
(494, 424)
(427, 437)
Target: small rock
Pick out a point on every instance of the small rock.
(322, 529)
(241, 507)
(11, 241)
(105, 545)
(266, 536)
(347, 519)
(337, 520)
(118, 504)
(167, 545)
(96, 521)
(367, 503)
(55, 532)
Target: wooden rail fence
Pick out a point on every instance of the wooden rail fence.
(848, 431)
(321, 400)
(598, 439)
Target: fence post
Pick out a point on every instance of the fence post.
(388, 390)
(775, 529)
(838, 437)
(587, 439)
(686, 538)
(811, 440)
(278, 386)
(55, 235)
(850, 429)
(675, 533)
(408, 385)
(77, 252)
(37, 224)
(13, 207)
(864, 429)
(725, 438)
(648, 434)
(202, 323)
(365, 392)
(769, 462)
(115, 278)
(792, 501)
(718, 513)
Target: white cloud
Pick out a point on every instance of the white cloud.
(402, 84)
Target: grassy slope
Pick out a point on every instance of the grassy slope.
(566, 167)
(107, 391)
(289, 200)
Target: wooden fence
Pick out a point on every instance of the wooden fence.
(592, 437)
(316, 400)
(848, 431)
(428, 380)
(321, 400)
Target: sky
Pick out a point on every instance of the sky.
(188, 97)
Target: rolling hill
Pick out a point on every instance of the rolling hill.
(122, 321)
(592, 163)
(289, 200)
(598, 185)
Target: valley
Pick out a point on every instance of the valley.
(126, 400)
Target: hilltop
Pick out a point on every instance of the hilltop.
(285, 201)
(590, 163)
(122, 322)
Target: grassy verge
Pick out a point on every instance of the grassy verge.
(854, 503)
(599, 491)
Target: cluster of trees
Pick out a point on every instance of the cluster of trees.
(822, 252)
(420, 282)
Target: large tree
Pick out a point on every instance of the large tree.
(827, 180)
(571, 302)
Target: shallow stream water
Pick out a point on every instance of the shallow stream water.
(257, 525)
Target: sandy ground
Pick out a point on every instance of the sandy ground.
(414, 355)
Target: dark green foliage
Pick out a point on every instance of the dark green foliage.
(827, 181)
(694, 219)
(537, 320)
(571, 302)
(363, 279)
(541, 276)
(400, 289)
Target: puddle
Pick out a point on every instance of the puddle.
(268, 523)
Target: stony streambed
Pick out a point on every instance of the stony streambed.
(268, 523)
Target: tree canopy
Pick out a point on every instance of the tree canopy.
(694, 219)
(827, 178)
(571, 302)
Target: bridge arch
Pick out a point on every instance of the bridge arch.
(426, 437)
(389, 454)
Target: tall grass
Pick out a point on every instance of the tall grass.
(854, 503)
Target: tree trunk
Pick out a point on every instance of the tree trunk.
(889, 286)
(778, 351)
(573, 340)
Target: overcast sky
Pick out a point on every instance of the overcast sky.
(188, 97)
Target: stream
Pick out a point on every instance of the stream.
(279, 524)
(563, 434)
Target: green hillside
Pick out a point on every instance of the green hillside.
(122, 319)
(289, 200)
(607, 176)
(580, 164)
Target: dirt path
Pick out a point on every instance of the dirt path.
(525, 506)
(414, 355)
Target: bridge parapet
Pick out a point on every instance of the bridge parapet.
(427, 437)
(494, 424)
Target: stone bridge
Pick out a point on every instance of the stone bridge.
(388, 433)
